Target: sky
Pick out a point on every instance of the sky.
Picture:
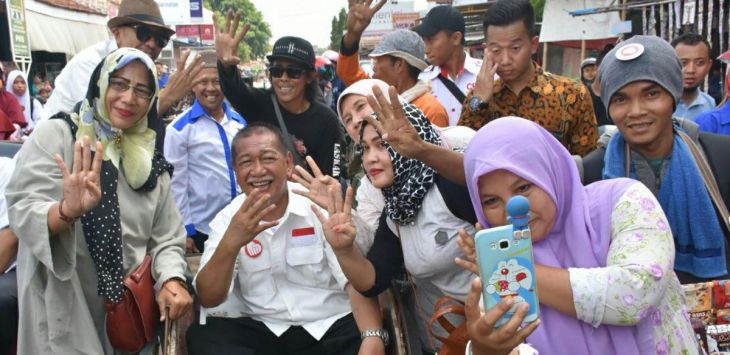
(309, 19)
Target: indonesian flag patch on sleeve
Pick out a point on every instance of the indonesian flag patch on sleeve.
(303, 236)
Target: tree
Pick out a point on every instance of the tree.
(339, 24)
(539, 6)
(256, 42)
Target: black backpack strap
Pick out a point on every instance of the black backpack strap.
(67, 118)
(452, 88)
(593, 166)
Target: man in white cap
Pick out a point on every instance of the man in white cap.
(397, 60)
(138, 24)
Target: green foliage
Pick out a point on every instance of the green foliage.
(539, 6)
(339, 25)
(256, 42)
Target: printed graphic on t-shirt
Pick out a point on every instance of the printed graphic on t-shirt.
(299, 146)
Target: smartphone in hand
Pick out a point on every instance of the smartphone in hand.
(507, 269)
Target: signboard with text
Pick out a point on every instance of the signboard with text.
(19, 42)
(196, 10)
(384, 21)
(174, 12)
(405, 20)
(202, 34)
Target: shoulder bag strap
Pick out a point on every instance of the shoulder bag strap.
(452, 88)
(287, 138)
(708, 178)
(409, 279)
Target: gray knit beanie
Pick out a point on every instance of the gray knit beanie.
(640, 58)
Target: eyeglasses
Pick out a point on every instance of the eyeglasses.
(292, 72)
(122, 85)
(144, 33)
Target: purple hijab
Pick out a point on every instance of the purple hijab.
(582, 231)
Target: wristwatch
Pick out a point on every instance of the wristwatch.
(380, 333)
(476, 103)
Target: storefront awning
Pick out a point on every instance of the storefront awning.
(559, 25)
(55, 30)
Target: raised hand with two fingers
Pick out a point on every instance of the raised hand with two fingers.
(317, 186)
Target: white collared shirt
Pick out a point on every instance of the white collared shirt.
(286, 276)
(199, 148)
(464, 81)
(73, 82)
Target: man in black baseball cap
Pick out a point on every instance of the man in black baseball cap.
(441, 18)
(309, 126)
(452, 71)
(295, 49)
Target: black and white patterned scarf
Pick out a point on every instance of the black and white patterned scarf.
(412, 178)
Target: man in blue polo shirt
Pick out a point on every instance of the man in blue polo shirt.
(197, 144)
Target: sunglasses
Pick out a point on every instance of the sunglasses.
(144, 33)
(292, 72)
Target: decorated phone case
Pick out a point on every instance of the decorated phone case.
(507, 269)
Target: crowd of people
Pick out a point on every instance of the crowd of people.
(315, 201)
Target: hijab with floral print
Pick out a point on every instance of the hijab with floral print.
(134, 146)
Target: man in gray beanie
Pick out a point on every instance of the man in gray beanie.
(641, 83)
(398, 60)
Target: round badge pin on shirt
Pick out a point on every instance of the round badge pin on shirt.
(630, 52)
(254, 248)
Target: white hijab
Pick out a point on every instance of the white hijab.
(24, 99)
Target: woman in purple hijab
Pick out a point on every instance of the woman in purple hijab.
(603, 253)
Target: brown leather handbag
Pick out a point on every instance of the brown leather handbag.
(133, 322)
(455, 343)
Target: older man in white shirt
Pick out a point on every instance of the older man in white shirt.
(270, 281)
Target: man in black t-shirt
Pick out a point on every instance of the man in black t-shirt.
(312, 127)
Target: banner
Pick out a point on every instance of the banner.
(187, 31)
(19, 42)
